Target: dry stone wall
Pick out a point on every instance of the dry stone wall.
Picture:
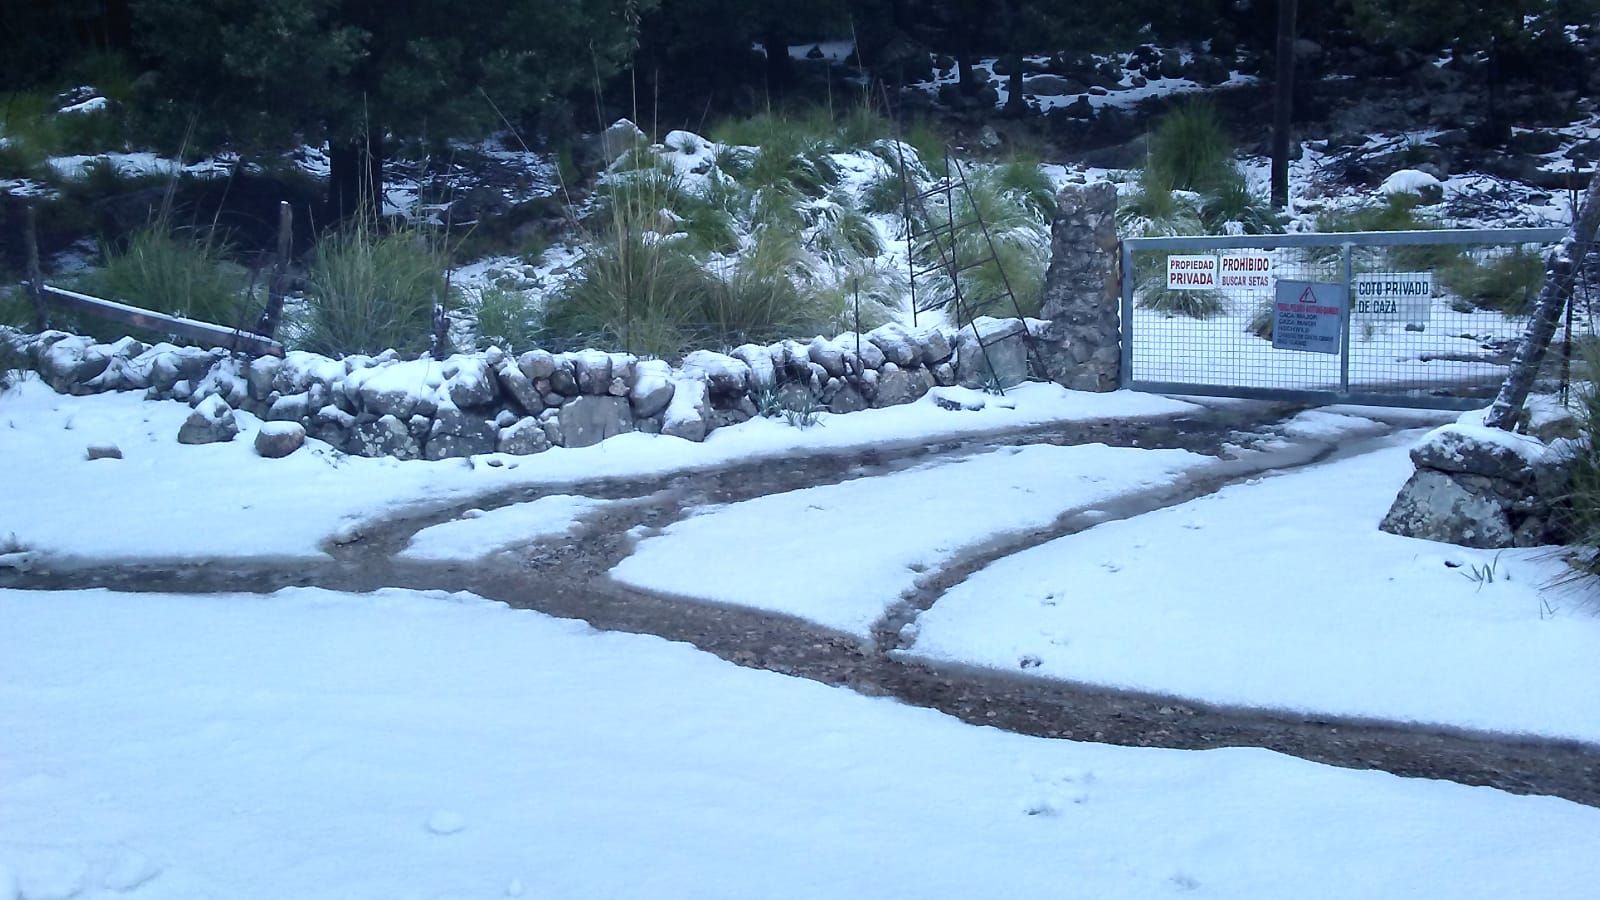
(526, 403)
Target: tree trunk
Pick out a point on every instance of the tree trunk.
(1283, 104)
(780, 68)
(355, 177)
(1015, 104)
(1560, 271)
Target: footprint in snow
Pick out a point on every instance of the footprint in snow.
(446, 822)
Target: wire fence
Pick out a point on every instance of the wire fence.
(1422, 318)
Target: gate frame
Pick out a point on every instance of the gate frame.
(1346, 242)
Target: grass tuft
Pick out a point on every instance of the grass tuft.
(371, 291)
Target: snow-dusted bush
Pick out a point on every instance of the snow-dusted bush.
(369, 291)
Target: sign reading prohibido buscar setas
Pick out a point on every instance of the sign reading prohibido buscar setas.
(1306, 315)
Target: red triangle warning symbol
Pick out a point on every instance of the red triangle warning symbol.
(1309, 297)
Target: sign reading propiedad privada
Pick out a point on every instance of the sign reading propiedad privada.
(1191, 273)
(1308, 315)
(1393, 297)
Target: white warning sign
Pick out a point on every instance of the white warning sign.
(1191, 273)
(1393, 296)
(1245, 270)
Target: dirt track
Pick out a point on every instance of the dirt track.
(567, 577)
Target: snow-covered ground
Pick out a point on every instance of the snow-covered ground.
(840, 555)
(316, 745)
(1285, 594)
(477, 533)
(167, 500)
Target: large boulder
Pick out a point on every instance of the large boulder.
(688, 416)
(1472, 450)
(897, 344)
(588, 420)
(454, 434)
(992, 352)
(384, 436)
(1433, 506)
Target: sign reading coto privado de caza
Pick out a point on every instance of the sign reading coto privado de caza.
(1393, 297)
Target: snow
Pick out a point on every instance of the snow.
(57, 502)
(1285, 594)
(306, 744)
(478, 533)
(1448, 441)
(865, 536)
(1408, 181)
(93, 104)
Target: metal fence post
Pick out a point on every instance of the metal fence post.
(1344, 317)
(1125, 282)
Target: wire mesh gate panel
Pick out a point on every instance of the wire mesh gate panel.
(1429, 318)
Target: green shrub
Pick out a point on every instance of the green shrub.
(765, 295)
(1018, 233)
(182, 272)
(631, 293)
(1190, 151)
(368, 291)
(1578, 508)
(504, 318)
(1194, 304)
(1508, 282)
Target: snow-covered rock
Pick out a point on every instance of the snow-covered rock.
(652, 388)
(211, 422)
(276, 440)
(688, 416)
(1414, 182)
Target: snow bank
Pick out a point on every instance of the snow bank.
(1285, 594)
(311, 744)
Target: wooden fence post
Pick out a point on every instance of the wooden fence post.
(30, 239)
(278, 285)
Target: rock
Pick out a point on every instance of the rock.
(935, 346)
(1482, 451)
(73, 360)
(726, 378)
(992, 352)
(689, 414)
(1171, 65)
(863, 349)
(847, 400)
(276, 440)
(828, 356)
(516, 384)
(525, 437)
(1052, 86)
(591, 370)
(652, 389)
(1433, 506)
(455, 434)
(588, 420)
(289, 408)
(763, 372)
(563, 381)
(104, 451)
(537, 364)
(897, 385)
(620, 138)
(211, 422)
(469, 382)
(1415, 183)
(384, 436)
(331, 425)
(259, 374)
(896, 344)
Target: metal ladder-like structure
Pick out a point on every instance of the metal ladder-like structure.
(944, 238)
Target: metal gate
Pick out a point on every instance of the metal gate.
(1395, 318)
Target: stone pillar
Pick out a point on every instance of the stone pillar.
(1081, 348)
